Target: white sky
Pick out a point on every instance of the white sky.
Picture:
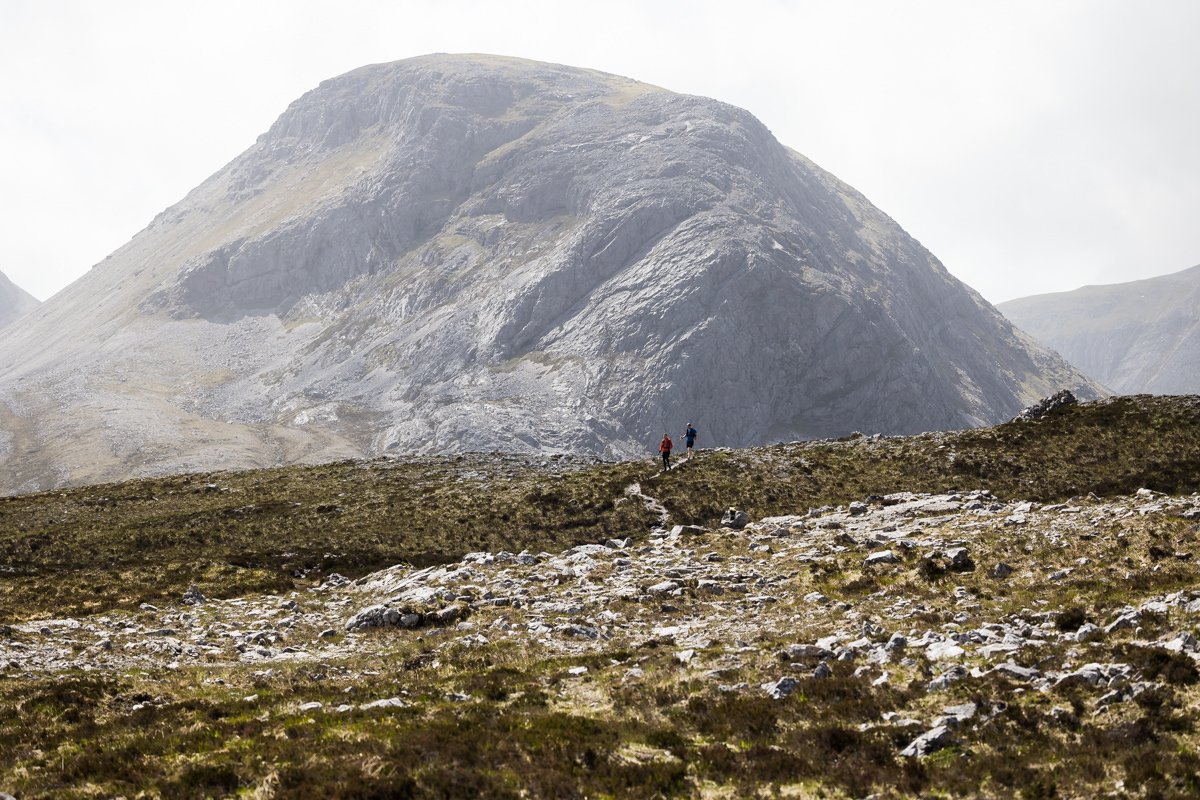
(1033, 146)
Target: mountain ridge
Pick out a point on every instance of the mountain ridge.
(14, 301)
(1136, 336)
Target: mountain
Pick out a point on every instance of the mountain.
(454, 253)
(14, 301)
(1141, 336)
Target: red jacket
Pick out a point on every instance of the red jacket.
(665, 445)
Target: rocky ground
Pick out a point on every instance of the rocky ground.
(952, 624)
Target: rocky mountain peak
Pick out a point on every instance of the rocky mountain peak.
(477, 253)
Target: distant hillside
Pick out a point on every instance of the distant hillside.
(14, 301)
(1142, 336)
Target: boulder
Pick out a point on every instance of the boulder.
(735, 519)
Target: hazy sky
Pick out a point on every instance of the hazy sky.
(1032, 146)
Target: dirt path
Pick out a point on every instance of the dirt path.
(652, 504)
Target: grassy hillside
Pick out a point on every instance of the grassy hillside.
(582, 676)
(118, 545)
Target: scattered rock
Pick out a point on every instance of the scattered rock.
(1047, 406)
(735, 519)
(781, 688)
(1001, 571)
(929, 742)
(960, 560)
(882, 557)
(193, 597)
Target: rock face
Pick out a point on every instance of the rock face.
(457, 253)
(1136, 337)
(14, 301)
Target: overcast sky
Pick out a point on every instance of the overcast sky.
(1032, 146)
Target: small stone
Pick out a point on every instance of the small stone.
(328, 633)
(735, 519)
(882, 557)
(960, 559)
(313, 706)
(929, 742)
(193, 597)
(804, 652)
(390, 702)
(781, 688)
(1013, 670)
(1001, 571)
(960, 713)
(858, 508)
(663, 588)
(941, 651)
(823, 670)
(577, 670)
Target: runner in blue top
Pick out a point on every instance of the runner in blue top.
(690, 435)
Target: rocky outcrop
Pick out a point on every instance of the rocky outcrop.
(1047, 406)
(1137, 337)
(458, 253)
(14, 301)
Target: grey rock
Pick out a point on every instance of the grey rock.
(446, 615)
(1001, 571)
(858, 508)
(193, 597)
(382, 615)
(1013, 670)
(665, 587)
(960, 559)
(1094, 675)
(388, 702)
(822, 670)
(1048, 405)
(929, 742)
(735, 519)
(804, 652)
(950, 676)
(881, 557)
(957, 714)
(781, 688)
(1125, 621)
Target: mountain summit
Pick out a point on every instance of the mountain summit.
(454, 253)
